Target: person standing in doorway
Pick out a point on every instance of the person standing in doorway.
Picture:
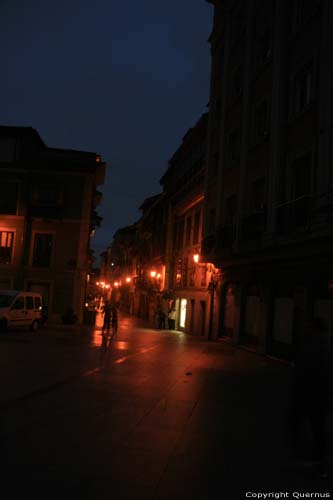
(172, 318)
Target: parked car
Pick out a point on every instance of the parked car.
(20, 309)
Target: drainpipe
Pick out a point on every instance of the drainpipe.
(211, 289)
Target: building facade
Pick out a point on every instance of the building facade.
(269, 183)
(48, 198)
(190, 279)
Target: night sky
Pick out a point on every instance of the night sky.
(124, 79)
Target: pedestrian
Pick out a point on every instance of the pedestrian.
(106, 310)
(172, 318)
(114, 319)
(310, 396)
(161, 319)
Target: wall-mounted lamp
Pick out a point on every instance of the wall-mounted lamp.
(128, 279)
(153, 274)
(196, 258)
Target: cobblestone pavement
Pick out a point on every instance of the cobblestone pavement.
(148, 415)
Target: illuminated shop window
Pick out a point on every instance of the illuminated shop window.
(6, 246)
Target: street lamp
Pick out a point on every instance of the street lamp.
(196, 258)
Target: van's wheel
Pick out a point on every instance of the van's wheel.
(34, 326)
(3, 325)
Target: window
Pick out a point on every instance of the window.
(19, 303)
(303, 89)
(191, 274)
(29, 303)
(6, 246)
(42, 250)
(196, 228)
(47, 195)
(6, 299)
(185, 271)
(261, 120)
(8, 198)
(234, 148)
(178, 274)
(188, 230)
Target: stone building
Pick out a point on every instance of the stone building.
(268, 190)
(48, 198)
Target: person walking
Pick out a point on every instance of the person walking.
(106, 310)
(310, 395)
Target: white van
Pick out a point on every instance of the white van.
(20, 309)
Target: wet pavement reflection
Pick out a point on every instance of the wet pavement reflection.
(145, 414)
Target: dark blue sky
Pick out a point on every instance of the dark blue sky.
(125, 79)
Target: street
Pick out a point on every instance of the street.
(150, 414)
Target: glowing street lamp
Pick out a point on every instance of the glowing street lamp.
(153, 274)
(128, 279)
(196, 258)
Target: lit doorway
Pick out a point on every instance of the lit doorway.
(182, 313)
